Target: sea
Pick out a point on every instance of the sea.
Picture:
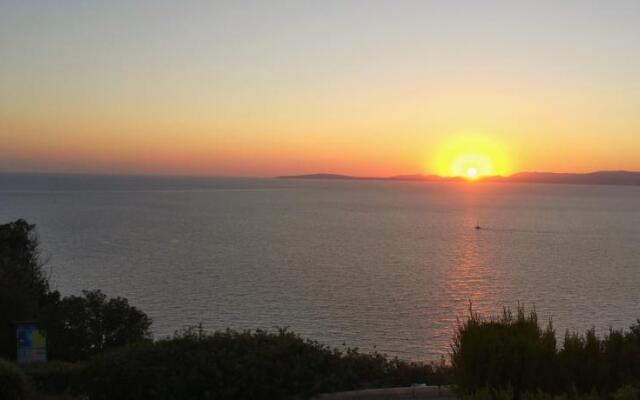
(383, 266)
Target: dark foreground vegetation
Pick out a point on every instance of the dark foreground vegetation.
(77, 327)
(222, 365)
(511, 356)
(244, 365)
(100, 348)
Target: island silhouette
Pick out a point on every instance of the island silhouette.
(631, 178)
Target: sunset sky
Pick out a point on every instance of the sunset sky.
(288, 87)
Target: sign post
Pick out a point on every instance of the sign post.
(32, 343)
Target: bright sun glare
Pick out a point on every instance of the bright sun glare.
(471, 157)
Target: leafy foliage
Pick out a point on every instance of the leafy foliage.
(506, 352)
(513, 354)
(13, 382)
(79, 327)
(56, 377)
(627, 392)
(244, 365)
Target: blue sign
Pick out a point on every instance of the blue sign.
(32, 344)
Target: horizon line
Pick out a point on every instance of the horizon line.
(311, 174)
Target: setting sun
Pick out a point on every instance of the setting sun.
(472, 165)
(471, 157)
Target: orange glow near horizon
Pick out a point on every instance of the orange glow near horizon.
(472, 157)
(329, 87)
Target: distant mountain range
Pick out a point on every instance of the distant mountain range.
(591, 178)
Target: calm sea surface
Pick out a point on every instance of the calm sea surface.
(384, 264)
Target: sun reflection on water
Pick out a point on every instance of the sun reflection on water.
(468, 282)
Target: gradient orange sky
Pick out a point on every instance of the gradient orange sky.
(353, 87)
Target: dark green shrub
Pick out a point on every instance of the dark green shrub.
(627, 392)
(509, 352)
(56, 377)
(242, 365)
(588, 363)
(79, 327)
(498, 355)
(13, 382)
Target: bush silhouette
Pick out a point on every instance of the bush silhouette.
(512, 354)
(244, 365)
(79, 327)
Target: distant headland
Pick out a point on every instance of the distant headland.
(631, 178)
